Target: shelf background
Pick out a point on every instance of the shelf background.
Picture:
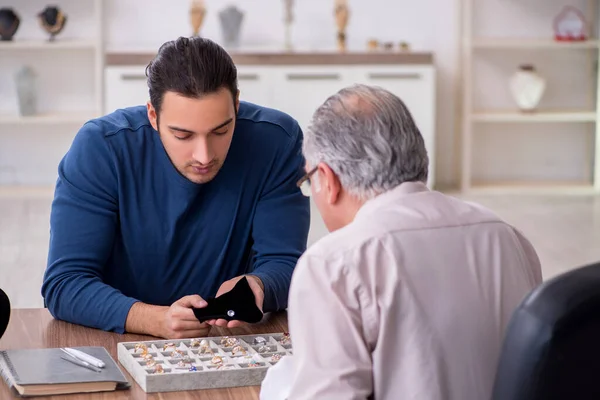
(556, 143)
(65, 80)
(80, 25)
(69, 88)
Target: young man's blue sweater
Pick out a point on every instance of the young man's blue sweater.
(126, 226)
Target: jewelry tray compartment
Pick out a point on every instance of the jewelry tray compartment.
(202, 363)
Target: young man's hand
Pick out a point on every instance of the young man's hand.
(180, 321)
(175, 322)
(259, 294)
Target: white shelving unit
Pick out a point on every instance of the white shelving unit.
(50, 46)
(528, 43)
(550, 116)
(475, 117)
(62, 112)
(48, 118)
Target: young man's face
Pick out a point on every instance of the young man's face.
(196, 133)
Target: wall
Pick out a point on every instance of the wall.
(428, 25)
(137, 26)
(29, 153)
(544, 151)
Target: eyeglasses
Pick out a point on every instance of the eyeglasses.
(304, 182)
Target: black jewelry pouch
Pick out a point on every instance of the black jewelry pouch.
(237, 304)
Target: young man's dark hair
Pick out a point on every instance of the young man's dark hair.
(192, 67)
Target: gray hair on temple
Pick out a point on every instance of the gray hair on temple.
(368, 137)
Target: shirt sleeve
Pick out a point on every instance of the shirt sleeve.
(280, 226)
(331, 358)
(83, 222)
(535, 266)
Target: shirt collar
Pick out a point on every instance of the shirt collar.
(404, 189)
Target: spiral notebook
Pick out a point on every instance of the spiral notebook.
(42, 372)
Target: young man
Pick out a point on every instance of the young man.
(159, 206)
(410, 295)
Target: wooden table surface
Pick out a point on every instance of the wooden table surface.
(35, 328)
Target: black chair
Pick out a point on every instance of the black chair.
(551, 348)
(4, 312)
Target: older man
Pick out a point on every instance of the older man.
(410, 294)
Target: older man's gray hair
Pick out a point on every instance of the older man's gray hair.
(368, 137)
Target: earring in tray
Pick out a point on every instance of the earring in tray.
(177, 354)
(217, 360)
(142, 347)
(168, 346)
(260, 340)
(263, 349)
(285, 339)
(238, 349)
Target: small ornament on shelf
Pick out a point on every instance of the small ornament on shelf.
(527, 87)
(570, 25)
(288, 19)
(373, 45)
(342, 15)
(9, 23)
(197, 15)
(26, 91)
(53, 20)
(231, 25)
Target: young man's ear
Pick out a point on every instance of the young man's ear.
(152, 116)
(330, 183)
(237, 102)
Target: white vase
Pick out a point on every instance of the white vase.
(25, 80)
(527, 87)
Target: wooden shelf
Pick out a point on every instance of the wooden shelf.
(58, 44)
(26, 191)
(535, 187)
(50, 118)
(475, 44)
(544, 116)
(531, 43)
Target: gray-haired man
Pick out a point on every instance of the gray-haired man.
(410, 294)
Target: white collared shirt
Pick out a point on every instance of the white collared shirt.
(409, 301)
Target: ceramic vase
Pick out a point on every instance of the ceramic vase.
(527, 87)
(231, 23)
(26, 91)
(9, 23)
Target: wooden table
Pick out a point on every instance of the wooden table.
(35, 328)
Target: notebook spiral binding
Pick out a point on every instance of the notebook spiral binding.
(7, 370)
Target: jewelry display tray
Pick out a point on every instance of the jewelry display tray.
(236, 370)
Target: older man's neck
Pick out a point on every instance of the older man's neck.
(349, 206)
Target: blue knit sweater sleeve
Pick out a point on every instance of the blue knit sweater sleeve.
(83, 223)
(280, 226)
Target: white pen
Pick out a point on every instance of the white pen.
(85, 357)
(77, 361)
